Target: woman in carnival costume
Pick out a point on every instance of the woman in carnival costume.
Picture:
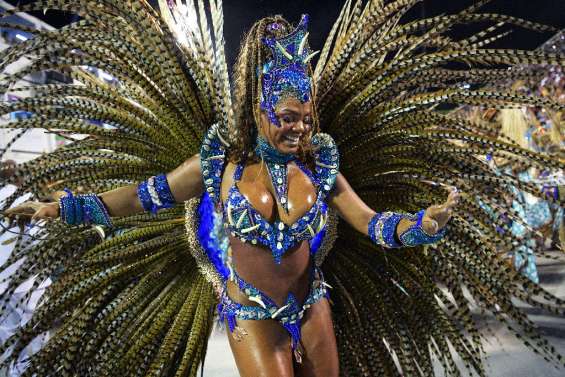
(138, 277)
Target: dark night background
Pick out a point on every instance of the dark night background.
(239, 16)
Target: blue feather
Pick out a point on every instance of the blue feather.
(316, 242)
(212, 236)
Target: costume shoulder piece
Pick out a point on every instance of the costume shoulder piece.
(213, 161)
(327, 162)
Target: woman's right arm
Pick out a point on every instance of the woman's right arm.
(185, 183)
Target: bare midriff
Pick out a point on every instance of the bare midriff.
(256, 265)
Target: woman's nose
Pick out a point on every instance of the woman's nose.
(299, 126)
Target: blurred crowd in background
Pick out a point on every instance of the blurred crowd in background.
(536, 218)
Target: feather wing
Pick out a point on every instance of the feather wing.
(132, 299)
(384, 90)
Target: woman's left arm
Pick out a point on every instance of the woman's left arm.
(389, 228)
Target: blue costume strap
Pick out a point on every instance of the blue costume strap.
(238, 172)
(83, 209)
(382, 230)
(327, 163)
(155, 194)
(212, 161)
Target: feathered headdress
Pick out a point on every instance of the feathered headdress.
(287, 72)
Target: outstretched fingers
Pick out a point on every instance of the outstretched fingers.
(33, 211)
(453, 197)
(438, 215)
(26, 209)
(452, 200)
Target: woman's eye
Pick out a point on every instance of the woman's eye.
(287, 119)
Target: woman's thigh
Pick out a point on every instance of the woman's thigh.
(264, 351)
(318, 339)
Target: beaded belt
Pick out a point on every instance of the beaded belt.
(289, 315)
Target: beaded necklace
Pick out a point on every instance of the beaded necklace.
(277, 165)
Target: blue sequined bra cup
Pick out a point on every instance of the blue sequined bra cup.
(246, 223)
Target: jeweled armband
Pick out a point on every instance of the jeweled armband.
(83, 209)
(155, 194)
(382, 230)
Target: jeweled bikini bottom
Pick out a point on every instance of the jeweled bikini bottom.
(289, 315)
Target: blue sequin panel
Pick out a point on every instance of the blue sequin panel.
(164, 191)
(155, 194)
(144, 196)
(382, 229)
(327, 162)
(212, 160)
(83, 209)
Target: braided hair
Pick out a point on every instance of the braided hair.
(247, 94)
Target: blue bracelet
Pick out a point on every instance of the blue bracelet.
(416, 235)
(155, 194)
(83, 209)
(382, 230)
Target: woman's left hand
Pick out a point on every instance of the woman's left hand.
(438, 215)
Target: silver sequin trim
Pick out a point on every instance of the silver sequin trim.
(152, 192)
(207, 269)
(329, 239)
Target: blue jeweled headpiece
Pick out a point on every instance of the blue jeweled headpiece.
(287, 72)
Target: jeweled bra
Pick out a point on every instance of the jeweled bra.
(246, 223)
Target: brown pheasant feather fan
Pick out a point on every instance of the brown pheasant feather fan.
(137, 302)
(379, 85)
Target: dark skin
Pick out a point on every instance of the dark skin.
(265, 350)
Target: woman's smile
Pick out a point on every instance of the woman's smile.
(295, 119)
(292, 140)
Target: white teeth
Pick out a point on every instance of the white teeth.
(293, 140)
